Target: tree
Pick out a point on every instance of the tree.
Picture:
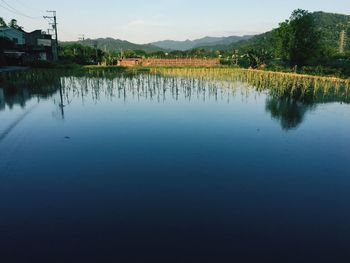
(296, 39)
(258, 58)
(13, 24)
(2, 22)
(80, 54)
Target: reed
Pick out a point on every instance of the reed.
(297, 86)
(279, 83)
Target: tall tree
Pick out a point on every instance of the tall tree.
(297, 40)
(13, 24)
(2, 22)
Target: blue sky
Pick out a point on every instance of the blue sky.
(151, 20)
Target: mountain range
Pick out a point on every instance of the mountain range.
(330, 25)
(114, 45)
(197, 43)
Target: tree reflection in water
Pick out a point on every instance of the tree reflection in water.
(289, 111)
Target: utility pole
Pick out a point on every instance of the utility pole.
(342, 41)
(53, 22)
(236, 55)
(82, 37)
(96, 53)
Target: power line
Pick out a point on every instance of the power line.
(15, 11)
(29, 6)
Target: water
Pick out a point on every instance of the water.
(152, 169)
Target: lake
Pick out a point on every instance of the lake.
(145, 168)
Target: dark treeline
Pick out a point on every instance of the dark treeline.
(83, 55)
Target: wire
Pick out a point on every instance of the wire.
(15, 11)
(29, 6)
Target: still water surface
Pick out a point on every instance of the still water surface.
(149, 169)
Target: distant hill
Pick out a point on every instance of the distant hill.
(115, 45)
(330, 25)
(205, 41)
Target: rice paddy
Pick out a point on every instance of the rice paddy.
(281, 84)
(296, 86)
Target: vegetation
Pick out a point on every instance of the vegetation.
(297, 86)
(306, 43)
(79, 54)
(13, 23)
(199, 43)
(290, 96)
(2, 22)
(296, 41)
(113, 45)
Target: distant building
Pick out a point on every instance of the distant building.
(129, 62)
(36, 45)
(15, 35)
(39, 45)
(180, 62)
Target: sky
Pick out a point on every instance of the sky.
(145, 21)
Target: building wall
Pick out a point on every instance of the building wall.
(39, 46)
(181, 62)
(37, 38)
(13, 34)
(199, 62)
(129, 62)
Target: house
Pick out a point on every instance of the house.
(39, 45)
(36, 45)
(15, 35)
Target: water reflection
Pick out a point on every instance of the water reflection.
(289, 112)
(18, 94)
(147, 87)
(176, 163)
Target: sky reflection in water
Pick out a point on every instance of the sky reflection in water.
(171, 169)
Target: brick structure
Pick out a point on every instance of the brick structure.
(163, 62)
(181, 62)
(129, 62)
